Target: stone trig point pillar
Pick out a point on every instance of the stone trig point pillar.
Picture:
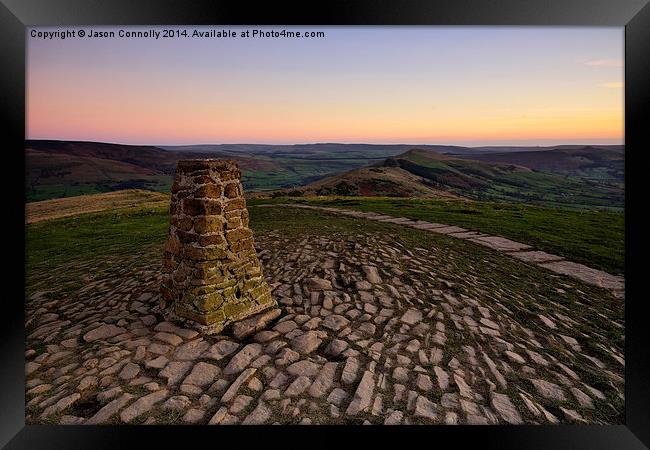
(211, 273)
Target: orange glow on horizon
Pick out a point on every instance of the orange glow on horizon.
(493, 85)
(127, 124)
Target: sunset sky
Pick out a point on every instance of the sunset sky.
(428, 85)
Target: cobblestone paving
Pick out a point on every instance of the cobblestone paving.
(372, 332)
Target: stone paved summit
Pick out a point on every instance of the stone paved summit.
(373, 331)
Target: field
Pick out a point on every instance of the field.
(595, 238)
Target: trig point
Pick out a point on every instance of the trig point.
(211, 273)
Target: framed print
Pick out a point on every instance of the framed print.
(409, 220)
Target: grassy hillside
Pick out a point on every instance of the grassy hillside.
(506, 181)
(56, 175)
(424, 173)
(590, 162)
(53, 244)
(595, 238)
(373, 181)
(83, 204)
(289, 172)
(58, 169)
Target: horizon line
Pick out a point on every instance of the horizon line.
(329, 143)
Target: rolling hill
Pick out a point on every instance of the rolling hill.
(604, 164)
(375, 181)
(57, 169)
(67, 168)
(423, 173)
(565, 175)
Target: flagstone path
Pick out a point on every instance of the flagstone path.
(517, 250)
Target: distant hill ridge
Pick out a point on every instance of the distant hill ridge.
(67, 168)
(585, 176)
(560, 159)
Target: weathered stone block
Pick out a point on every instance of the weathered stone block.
(185, 237)
(209, 191)
(234, 223)
(231, 191)
(208, 302)
(182, 223)
(204, 253)
(238, 235)
(201, 207)
(204, 225)
(211, 239)
(236, 203)
(242, 245)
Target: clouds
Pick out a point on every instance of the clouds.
(604, 63)
(607, 63)
(613, 85)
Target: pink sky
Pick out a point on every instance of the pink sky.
(437, 85)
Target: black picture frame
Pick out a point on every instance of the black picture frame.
(16, 15)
